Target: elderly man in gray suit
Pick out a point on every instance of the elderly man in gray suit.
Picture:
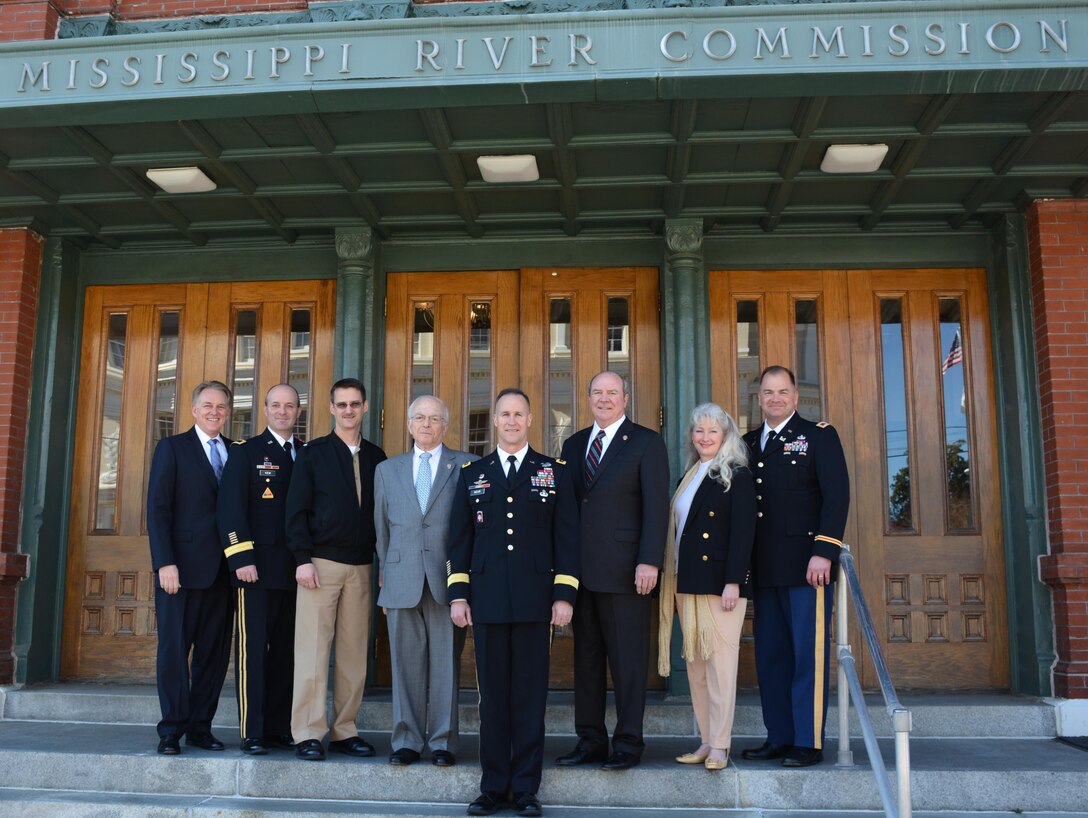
(412, 497)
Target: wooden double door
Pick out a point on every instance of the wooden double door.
(464, 336)
(144, 348)
(899, 362)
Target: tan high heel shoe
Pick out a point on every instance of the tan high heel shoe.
(693, 758)
(717, 763)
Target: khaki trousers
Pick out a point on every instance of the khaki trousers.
(340, 608)
(713, 681)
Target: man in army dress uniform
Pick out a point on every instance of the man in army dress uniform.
(802, 496)
(512, 574)
(251, 504)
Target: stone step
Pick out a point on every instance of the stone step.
(966, 715)
(72, 804)
(966, 775)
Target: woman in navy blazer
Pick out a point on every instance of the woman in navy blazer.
(707, 569)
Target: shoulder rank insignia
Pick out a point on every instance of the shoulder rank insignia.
(823, 424)
(560, 461)
(466, 465)
(237, 442)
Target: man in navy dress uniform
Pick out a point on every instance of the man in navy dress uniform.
(192, 593)
(803, 496)
(252, 503)
(513, 573)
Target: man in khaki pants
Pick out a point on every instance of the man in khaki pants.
(330, 530)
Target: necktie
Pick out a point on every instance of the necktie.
(289, 449)
(593, 459)
(512, 471)
(216, 459)
(423, 481)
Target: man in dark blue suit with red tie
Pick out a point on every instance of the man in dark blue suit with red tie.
(192, 591)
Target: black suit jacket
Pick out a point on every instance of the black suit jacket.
(252, 510)
(513, 550)
(181, 500)
(803, 496)
(324, 517)
(624, 512)
(715, 548)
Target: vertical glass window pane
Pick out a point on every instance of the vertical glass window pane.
(166, 383)
(560, 388)
(109, 447)
(480, 368)
(618, 342)
(806, 329)
(300, 367)
(957, 427)
(245, 373)
(748, 366)
(896, 428)
(423, 350)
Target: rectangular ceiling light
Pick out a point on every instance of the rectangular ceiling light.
(518, 168)
(181, 180)
(853, 158)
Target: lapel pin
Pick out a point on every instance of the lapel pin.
(625, 437)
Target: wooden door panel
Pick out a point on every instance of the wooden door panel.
(109, 618)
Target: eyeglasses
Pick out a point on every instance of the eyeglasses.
(434, 420)
(355, 404)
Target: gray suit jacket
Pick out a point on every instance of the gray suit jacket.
(412, 545)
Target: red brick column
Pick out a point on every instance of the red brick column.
(20, 275)
(22, 20)
(1058, 257)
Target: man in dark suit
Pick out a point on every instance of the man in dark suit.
(803, 496)
(620, 474)
(192, 592)
(512, 574)
(330, 530)
(252, 502)
(413, 493)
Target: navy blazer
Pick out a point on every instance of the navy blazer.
(803, 496)
(252, 510)
(181, 501)
(624, 511)
(513, 550)
(715, 547)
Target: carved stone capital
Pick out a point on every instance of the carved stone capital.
(355, 245)
(684, 235)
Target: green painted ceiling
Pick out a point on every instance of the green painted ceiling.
(742, 165)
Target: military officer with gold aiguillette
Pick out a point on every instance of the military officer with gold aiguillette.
(802, 499)
(513, 573)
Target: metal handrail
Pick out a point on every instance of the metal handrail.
(897, 806)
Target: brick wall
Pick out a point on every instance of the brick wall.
(31, 20)
(20, 272)
(1058, 257)
(153, 9)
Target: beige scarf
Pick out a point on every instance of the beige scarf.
(701, 627)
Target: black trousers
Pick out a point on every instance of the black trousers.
(196, 620)
(512, 667)
(611, 632)
(264, 660)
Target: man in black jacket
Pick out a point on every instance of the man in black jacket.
(621, 482)
(330, 529)
(252, 500)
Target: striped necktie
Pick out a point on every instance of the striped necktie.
(593, 459)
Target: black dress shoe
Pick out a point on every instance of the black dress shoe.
(354, 746)
(205, 741)
(283, 741)
(403, 757)
(254, 747)
(443, 758)
(169, 746)
(579, 756)
(527, 804)
(310, 750)
(765, 752)
(486, 803)
(620, 761)
(802, 757)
